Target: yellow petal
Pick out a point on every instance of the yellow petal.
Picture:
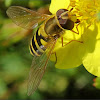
(70, 56)
(91, 60)
(58, 4)
(98, 35)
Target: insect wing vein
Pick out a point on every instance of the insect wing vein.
(38, 68)
(25, 18)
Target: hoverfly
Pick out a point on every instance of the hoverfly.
(51, 27)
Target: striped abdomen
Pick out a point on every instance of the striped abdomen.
(36, 47)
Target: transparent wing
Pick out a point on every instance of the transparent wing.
(25, 18)
(38, 68)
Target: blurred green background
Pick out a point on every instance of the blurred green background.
(15, 62)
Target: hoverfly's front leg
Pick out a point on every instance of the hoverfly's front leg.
(77, 22)
(69, 42)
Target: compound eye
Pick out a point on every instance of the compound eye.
(61, 11)
(64, 23)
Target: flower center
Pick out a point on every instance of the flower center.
(87, 10)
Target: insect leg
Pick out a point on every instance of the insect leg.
(69, 42)
(76, 29)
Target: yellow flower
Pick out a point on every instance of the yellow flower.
(76, 53)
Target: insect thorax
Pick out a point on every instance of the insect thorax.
(51, 27)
